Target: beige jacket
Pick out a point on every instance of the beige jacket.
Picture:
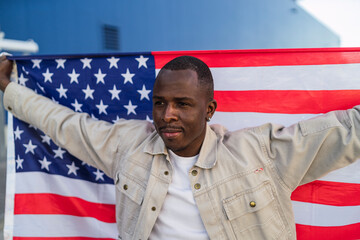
(242, 181)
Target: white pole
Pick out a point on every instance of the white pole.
(19, 46)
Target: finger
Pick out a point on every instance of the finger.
(5, 54)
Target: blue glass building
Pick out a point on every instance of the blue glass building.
(92, 26)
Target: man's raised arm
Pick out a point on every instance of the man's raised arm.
(94, 142)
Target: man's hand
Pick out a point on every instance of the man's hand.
(6, 67)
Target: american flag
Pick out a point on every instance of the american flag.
(52, 195)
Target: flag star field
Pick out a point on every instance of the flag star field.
(107, 88)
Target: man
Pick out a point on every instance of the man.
(181, 178)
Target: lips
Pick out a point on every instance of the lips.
(170, 132)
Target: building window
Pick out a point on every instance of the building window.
(111, 37)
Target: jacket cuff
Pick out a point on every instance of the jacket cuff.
(11, 96)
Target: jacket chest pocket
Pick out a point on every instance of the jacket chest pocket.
(130, 195)
(254, 214)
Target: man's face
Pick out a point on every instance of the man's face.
(180, 110)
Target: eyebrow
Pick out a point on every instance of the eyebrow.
(176, 98)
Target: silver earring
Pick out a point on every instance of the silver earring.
(209, 118)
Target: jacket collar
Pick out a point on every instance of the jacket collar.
(208, 152)
(155, 145)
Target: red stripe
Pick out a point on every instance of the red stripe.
(347, 232)
(328, 193)
(57, 238)
(57, 204)
(268, 57)
(286, 101)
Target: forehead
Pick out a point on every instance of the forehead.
(176, 81)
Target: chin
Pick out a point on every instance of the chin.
(174, 149)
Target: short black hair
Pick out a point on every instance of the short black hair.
(202, 70)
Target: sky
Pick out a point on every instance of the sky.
(341, 16)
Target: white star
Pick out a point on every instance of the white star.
(77, 106)
(25, 70)
(86, 62)
(148, 119)
(72, 168)
(30, 147)
(130, 108)
(36, 63)
(100, 77)
(17, 133)
(117, 119)
(115, 93)
(47, 75)
(84, 163)
(88, 92)
(62, 91)
(102, 107)
(113, 62)
(128, 76)
(41, 88)
(45, 139)
(31, 126)
(22, 79)
(99, 175)
(53, 99)
(144, 93)
(60, 63)
(59, 153)
(44, 163)
(19, 162)
(142, 61)
(93, 117)
(74, 76)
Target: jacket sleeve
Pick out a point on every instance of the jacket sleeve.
(310, 149)
(97, 143)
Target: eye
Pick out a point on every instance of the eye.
(158, 103)
(183, 104)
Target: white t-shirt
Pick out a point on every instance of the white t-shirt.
(179, 217)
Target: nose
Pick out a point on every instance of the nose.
(170, 114)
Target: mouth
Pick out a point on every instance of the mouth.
(170, 132)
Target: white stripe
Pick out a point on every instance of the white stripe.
(10, 182)
(307, 77)
(38, 182)
(325, 215)
(62, 226)
(348, 174)
(238, 120)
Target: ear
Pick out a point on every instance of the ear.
(211, 107)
